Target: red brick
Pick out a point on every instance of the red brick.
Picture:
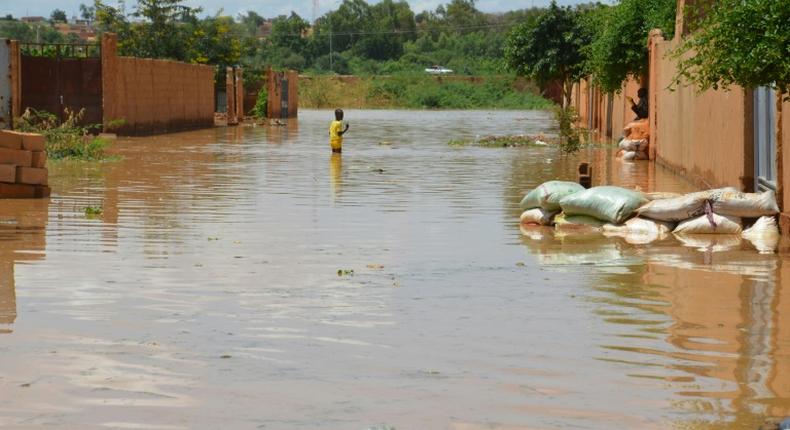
(7, 173)
(10, 139)
(43, 191)
(17, 191)
(17, 157)
(33, 142)
(31, 175)
(39, 159)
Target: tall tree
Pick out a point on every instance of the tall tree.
(58, 15)
(744, 43)
(619, 38)
(550, 49)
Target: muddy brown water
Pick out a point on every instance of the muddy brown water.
(207, 295)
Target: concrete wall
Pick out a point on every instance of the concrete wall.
(707, 136)
(607, 115)
(154, 96)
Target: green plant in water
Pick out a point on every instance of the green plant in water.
(260, 109)
(67, 139)
(512, 141)
(570, 137)
(93, 212)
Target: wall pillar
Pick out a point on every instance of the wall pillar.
(238, 83)
(109, 80)
(656, 36)
(230, 96)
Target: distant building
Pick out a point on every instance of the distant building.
(32, 19)
(84, 32)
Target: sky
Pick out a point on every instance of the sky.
(267, 8)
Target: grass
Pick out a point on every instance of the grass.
(513, 141)
(418, 91)
(67, 139)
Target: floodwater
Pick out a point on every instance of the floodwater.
(207, 295)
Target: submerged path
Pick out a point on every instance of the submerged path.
(216, 291)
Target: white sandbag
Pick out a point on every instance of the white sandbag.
(634, 155)
(639, 231)
(745, 205)
(674, 209)
(662, 195)
(640, 225)
(764, 235)
(710, 224)
(633, 145)
(538, 216)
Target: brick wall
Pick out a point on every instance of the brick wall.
(154, 96)
(23, 166)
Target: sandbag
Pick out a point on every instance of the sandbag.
(564, 222)
(639, 231)
(634, 155)
(674, 209)
(745, 205)
(548, 195)
(763, 234)
(640, 226)
(633, 145)
(710, 224)
(606, 203)
(662, 195)
(538, 216)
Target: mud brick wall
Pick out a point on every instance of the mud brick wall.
(154, 96)
(23, 166)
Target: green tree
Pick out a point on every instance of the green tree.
(744, 43)
(619, 38)
(58, 15)
(550, 49)
(87, 13)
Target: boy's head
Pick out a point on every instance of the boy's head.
(642, 93)
(339, 114)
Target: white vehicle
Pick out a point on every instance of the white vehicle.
(438, 70)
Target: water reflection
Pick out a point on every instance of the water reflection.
(22, 240)
(702, 314)
(336, 174)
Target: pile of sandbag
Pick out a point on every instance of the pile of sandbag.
(635, 144)
(643, 218)
(633, 149)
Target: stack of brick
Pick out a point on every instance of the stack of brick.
(23, 166)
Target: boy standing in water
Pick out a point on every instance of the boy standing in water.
(336, 132)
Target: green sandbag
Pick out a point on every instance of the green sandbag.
(548, 195)
(613, 204)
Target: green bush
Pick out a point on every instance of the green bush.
(64, 140)
(260, 109)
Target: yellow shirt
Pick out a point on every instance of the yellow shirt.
(335, 138)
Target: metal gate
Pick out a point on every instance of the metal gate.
(56, 77)
(5, 84)
(764, 139)
(284, 97)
